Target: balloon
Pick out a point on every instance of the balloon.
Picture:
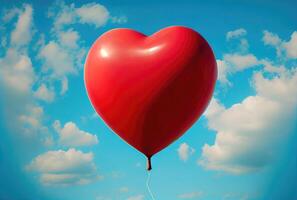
(150, 89)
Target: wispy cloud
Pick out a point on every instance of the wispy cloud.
(44, 93)
(236, 33)
(184, 151)
(22, 34)
(191, 195)
(287, 49)
(136, 197)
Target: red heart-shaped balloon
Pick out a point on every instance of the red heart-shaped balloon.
(150, 89)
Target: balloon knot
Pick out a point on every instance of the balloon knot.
(149, 164)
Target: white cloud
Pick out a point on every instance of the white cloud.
(291, 46)
(22, 33)
(72, 136)
(236, 33)
(214, 108)
(237, 61)
(191, 195)
(29, 121)
(64, 54)
(57, 59)
(184, 151)
(65, 167)
(93, 13)
(64, 85)
(49, 141)
(62, 57)
(68, 179)
(33, 116)
(44, 93)
(271, 38)
(223, 71)
(69, 38)
(243, 45)
(271, 68)
(232, 63)
(16, 71)
(240, 62)
(119, 19)
(9, 14)
(23, 116)
(239, 34)
(65, 16)
(136, 197)
(247, 130)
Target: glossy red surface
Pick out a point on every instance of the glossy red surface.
(150, 89)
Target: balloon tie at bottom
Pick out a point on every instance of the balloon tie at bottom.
(149, 164)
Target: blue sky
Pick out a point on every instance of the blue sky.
(53, 146)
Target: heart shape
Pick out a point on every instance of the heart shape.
(150, 89)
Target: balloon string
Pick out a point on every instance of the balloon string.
(148, 185)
